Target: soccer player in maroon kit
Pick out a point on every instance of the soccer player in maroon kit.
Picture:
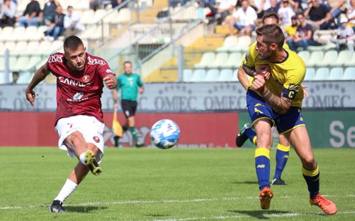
(79, 118)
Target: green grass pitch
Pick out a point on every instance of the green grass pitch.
(169, 185)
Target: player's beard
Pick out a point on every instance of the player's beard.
(266, 56)
(80, 68)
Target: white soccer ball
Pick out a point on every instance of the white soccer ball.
(165, 134)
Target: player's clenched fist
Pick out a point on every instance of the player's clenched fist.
(110, 81)
(258, 83)
(30, 96)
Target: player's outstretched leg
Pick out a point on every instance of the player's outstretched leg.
(282, 153)
(87, 154)
(74, 179)
(300, 140)
(245, 133)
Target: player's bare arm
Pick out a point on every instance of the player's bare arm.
(280, 104)
(39, 76)
(243, 78)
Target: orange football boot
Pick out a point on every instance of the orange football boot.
(328, 207)
(265, 197)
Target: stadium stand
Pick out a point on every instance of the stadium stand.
(216, 51)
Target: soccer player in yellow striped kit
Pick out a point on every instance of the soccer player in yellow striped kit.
(274, 98)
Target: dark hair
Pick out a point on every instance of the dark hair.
(271, 34)
(72, 42)
(127, 62)
(300, 13)
(269, 15)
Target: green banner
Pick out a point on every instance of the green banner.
(326, 128)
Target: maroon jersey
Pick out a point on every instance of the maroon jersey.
(79, 93)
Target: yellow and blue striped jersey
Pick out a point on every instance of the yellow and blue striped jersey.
(288, 74)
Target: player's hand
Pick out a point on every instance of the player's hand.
(141, 90)
(30, 96)
(258, 83)
(110, 81)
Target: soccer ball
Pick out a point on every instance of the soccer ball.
(165, 134)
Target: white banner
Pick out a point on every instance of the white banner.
(186, 97)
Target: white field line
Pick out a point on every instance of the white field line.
(269, 215)
(172, 201)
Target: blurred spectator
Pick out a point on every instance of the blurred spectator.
(272, 6)
(320, 15)
(285, 13)
(291, 30)
(224, 9)
(174, 3)
(211, 5)
(31, 15)
(56, 28)
(243, 19)
(95, 4)
(72, 24)
(98, 4)
(345, 35)
(115, 3)
(350, 13)
(304, 35)
(270, 18)
(7, 14)
(49, 12)
(262, 5)
(15, 76)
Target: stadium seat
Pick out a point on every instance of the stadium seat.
(315, 58)
(345, 58)
(2, 65)
(212, 75)
(305, 56)
(20, 48)
(21, 64)
(56, 46)
(190, 13)
(92, 33)
(207, 60)
(198, 75)
(123, 16)
(329, 58)
(336, 73)
(229, 43)
(10, 45)
(88, 17)
(227, 75)
(322, 74)
(6, 33)
(187, 75)
(234, 60)
(34, 61)
(24, 78)
(310, 74)
(243, 43)
(12, 61)
(349, 73)
(19, 34)
(32, 48)
(220, 59)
